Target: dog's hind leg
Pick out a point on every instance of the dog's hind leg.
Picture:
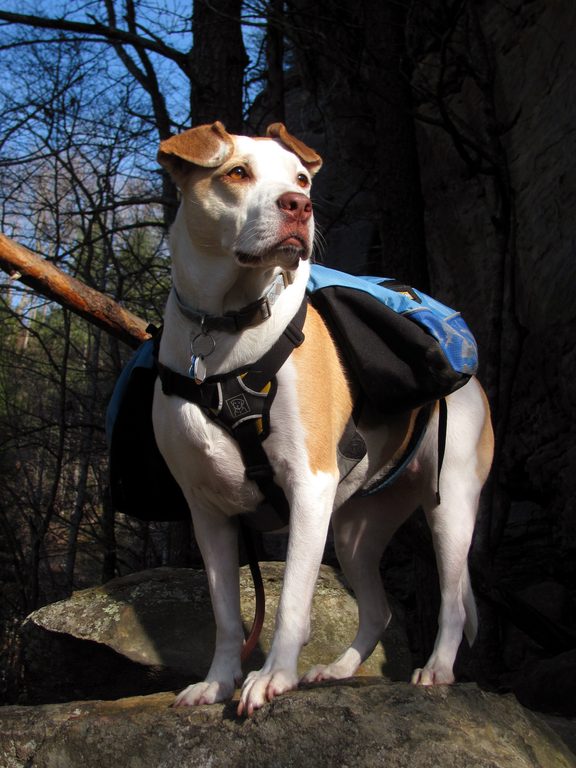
(452, 526)
(469, 449)
(217, 537)
(362, 529)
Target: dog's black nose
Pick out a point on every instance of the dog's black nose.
(296, 206)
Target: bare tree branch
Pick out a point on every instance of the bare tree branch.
(102, 31)
(44, 277)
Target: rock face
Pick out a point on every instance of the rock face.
(154, 630)
(475, 247)
(530, 46)
(361, 724)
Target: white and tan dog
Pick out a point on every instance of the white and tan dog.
(245, 216)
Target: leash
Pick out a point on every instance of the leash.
(260, 595)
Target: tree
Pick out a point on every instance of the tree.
(154, 47)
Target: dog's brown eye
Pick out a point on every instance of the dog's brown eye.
(238, 173)
(302, 180)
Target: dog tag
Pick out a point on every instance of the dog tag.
(198, 369)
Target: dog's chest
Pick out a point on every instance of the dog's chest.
(206, 460)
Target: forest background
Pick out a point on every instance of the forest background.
(447, 130)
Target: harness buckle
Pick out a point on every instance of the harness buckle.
(266, 309)
(258, 472)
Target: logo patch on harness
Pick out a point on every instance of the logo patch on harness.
(238, 406)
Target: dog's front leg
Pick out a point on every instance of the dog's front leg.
(217, 537)
(310, 510)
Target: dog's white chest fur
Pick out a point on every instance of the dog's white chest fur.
(206, 460)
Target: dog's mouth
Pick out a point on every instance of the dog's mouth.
(286, 253)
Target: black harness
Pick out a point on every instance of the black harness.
(240, 401)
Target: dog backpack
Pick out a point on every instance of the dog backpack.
(141, 485)
(403, 348)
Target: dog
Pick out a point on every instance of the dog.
(246, 217)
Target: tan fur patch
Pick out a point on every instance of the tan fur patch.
(486, 442)
(326, 401)
(324, 394)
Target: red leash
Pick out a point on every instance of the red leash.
(254, 635)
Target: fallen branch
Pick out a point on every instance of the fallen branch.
(47, 279)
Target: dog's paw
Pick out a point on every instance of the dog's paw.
(321, 672)
(261, 687)
(345, 666)
(204, 693)
(335, 671)
(430, 675)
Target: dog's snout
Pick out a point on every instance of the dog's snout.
(296, 206)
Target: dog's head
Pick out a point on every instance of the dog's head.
(245, 197)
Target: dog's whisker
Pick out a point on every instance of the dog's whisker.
(319, 246)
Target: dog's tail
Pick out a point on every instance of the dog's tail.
(471, 623)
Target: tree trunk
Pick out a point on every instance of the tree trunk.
(40, 527)
(218, 61)
(275, 62)
(401, 210)
(82, 468)
(359, 104)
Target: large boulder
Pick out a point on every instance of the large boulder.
(154, 631)
(365, 723)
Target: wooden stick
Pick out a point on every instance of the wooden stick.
(44, 277)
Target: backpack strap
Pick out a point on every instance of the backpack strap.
(442, 433)
(418, 432)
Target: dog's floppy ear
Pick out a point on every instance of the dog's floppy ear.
(311, 159)
(207, 146)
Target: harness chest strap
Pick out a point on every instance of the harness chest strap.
(240, 402)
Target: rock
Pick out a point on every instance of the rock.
(362, 724)
(154, 631)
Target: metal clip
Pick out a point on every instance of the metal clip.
(197, 370)
(203, 344)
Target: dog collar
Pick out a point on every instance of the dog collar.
(237, 320)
